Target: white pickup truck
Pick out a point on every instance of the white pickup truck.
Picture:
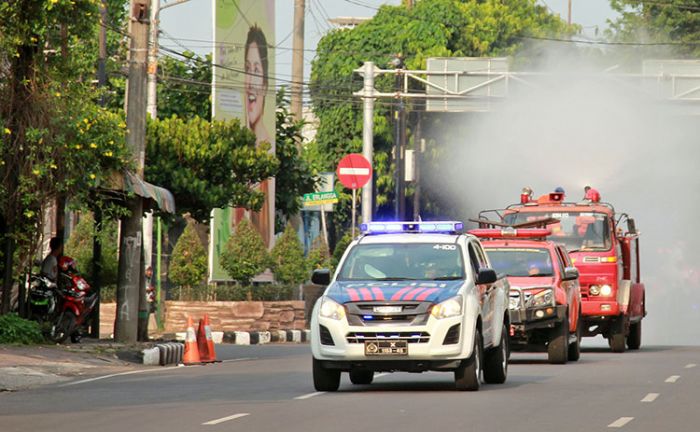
(414, 297)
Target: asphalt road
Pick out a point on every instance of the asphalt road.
(269, 388)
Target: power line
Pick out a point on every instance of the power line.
(592, 42)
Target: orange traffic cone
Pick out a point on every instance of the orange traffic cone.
(205, 342)
(191, 355)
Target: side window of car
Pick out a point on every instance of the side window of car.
(562, 260)
(473, 259)
(481, 256)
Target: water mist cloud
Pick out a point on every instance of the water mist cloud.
(577, 125)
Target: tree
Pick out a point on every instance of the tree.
(432, 28)
(296, 174)
(287, 256)
(183, 86)
(207, 165)
(676, 21)
(188, 266)
(55, 140)
(245, 255)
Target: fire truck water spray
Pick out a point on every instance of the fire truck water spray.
(582, 122)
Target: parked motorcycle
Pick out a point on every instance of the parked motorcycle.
(77, 302)
(42, 299)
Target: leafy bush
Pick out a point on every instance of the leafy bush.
(318, 258)
(16, 330)
(188, 266)
(235, 292)
(287, 256)
(267, 292)
(79, 246)
(245, 254)
(340, 247)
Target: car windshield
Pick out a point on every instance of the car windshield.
(578, 231)
(521, 262)
(402, 261)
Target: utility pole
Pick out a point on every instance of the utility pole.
(367, 94)
(126, 325)
(298, 60)
(568, 20)
(400, 145)
(96, 245)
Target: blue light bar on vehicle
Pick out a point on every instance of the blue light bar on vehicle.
(444, 227)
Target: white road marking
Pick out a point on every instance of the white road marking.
(620, 422)
(651, 397)
(381, 375)
(225, 419)
(239, 359)
(690, 365)
(116, 375)
(309, 395)
(672, 378)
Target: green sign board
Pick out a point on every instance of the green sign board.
(320, 198)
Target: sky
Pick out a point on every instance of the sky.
(189, 25)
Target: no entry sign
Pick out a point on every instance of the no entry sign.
(354, 171)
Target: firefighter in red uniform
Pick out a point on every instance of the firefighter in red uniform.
(591, 194)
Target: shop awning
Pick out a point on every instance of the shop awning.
(159, 196)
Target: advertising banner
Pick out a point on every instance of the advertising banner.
(243, 88)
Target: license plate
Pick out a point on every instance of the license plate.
(387, 309)
(386, 348)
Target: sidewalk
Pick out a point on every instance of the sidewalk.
(24, 367)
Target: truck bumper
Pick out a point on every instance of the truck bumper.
(536, 318)
(590, 309)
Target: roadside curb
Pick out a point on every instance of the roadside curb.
(171, 352)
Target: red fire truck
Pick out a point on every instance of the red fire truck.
(604, 246)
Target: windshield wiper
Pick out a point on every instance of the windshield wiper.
(394, 279)
(447, 278)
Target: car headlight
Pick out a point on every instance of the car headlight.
(331, 309)
(514, 301)
(542, 298)
(602, 290)
(449, 308)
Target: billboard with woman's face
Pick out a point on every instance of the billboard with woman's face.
(243, 88)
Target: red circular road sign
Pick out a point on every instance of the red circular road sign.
(354, 171)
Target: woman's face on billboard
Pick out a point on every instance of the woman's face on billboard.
(254, 85)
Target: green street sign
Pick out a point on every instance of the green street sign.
(320, 198)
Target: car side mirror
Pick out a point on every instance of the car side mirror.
(570, 273)
(321, 277)
(486, 276)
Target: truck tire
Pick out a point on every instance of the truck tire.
(326, 380)
(634, 339)
(617, 335)
(361, 377)
(496, 361)
(575, 347)
(468, 374)
(558, 347)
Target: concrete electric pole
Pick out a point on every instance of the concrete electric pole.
(367, 93)
(130, 268)
(298, 60)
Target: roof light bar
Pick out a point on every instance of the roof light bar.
(506, 233)
(444, 227)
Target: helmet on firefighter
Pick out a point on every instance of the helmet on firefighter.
(66, 263)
